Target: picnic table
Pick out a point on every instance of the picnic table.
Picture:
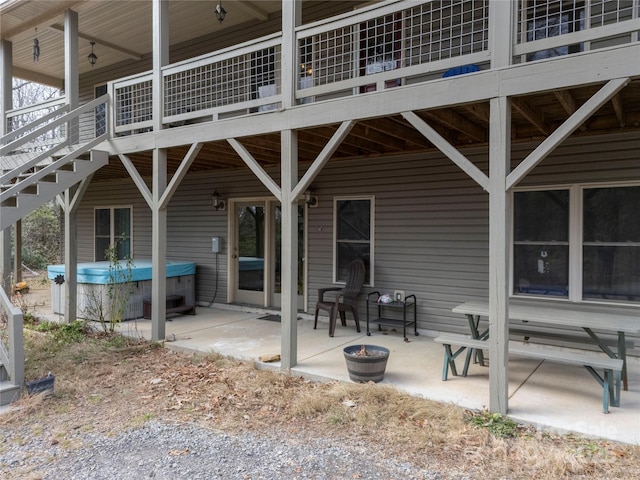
(592, 319)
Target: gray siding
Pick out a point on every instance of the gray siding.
(431, 220)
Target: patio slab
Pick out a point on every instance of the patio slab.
(549, 396)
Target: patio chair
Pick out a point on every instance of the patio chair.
(346, 298)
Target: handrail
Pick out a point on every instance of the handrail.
(34, 178)
(223, 54)
(36, 106)
(581, 36)
(4, 150)
(19, 131)
(13, 356)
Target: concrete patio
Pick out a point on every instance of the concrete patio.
(548, 396)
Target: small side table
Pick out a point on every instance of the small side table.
(409, 302)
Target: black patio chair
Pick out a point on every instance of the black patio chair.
(346, 298)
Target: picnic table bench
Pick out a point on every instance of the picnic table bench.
(612, 367)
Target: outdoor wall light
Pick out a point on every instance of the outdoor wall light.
(218, 203)
(92, 56)
(220, 12)
(310, 199)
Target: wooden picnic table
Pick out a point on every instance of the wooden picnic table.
(593, 319)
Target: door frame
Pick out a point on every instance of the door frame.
(269, 295)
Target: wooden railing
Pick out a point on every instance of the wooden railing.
(378, 47)
(11, 344)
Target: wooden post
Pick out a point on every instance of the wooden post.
(70, 259)
(159, 247)
(6, 104)
(501, 22)
(71, 75)
(291, 17)
(159, 181)
(289, 309)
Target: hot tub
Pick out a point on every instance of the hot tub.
(94, 278)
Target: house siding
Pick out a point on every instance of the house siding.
(441, 255)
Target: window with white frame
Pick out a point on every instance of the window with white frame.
(112, 226)
(353, 236)
(580, 242)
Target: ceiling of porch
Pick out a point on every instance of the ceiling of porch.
(533, 119)
(123, 30)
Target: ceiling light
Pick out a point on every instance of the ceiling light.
(92, 56)
(220, 12)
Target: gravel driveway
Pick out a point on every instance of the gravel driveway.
(177, 451)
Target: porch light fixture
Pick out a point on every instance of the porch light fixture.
(218, 203)
(36, 48)
(92, 56)
(310, 199)
(220, 12)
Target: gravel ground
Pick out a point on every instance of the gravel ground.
(177, 451)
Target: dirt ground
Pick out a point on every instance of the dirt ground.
(97, 374)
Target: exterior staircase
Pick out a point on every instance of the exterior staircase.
(38, 162)
(9, 392)
(30, 176)
(22, 190)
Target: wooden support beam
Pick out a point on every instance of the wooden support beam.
(179, 175)
(567, 128)
(447, 133)
(479, 110)
(252, 9)
(255, 167)
(137, 179)
(40, 19)
(566, 100)
(318, 138)
(569, 104)
(535, 117)
(103, 43)
(457, 122)
(445, 147)
(322, 159)
(616, 101)
(370, 135)
(398, 128)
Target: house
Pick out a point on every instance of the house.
(470, 149)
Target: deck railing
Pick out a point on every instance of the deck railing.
(11, 340)
(378, 47)
(23, 148)
(22, 122)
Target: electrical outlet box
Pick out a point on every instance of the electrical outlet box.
(215, 244)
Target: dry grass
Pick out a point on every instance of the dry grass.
(110, 384)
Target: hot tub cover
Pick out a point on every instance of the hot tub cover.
(98, 272)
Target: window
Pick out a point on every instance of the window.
(580, 243)
(112, 227)
(353, 230)
(541, 242)
(611, 243)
